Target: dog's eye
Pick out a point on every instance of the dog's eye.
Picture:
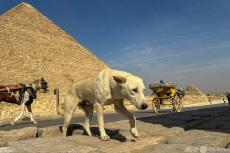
(135, 90)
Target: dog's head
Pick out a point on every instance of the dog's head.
(125, 85)
(132, 88)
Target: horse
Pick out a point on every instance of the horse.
(23, 95)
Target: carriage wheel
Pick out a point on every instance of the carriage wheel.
(156, 105)
(177, 103)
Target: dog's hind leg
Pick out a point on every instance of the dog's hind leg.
(119, 107)
(70, 106)
(88, 109)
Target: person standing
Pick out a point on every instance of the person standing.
(228, 97)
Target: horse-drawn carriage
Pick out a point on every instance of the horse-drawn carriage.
(12, 93)
(166, 91)
(23, 95)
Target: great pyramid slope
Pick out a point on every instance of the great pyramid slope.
(32, 46)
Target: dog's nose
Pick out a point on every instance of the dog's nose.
(144, 106)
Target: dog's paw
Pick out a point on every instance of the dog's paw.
(12, 123)
(105, 138)
(134, 132)
(34, 122)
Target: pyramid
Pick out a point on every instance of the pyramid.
(32, 46)
(194, 95)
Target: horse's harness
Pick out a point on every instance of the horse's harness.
(21, 88)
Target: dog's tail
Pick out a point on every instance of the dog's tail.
(56, 92)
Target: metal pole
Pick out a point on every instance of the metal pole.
(56, 92)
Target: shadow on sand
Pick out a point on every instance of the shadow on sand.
(214, 119)
(78, 128)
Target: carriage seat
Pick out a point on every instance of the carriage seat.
(11, 88)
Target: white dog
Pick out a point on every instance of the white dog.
(109, 87)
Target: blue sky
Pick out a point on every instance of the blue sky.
(186, 41)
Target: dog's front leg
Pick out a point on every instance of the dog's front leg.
(100, 117)
(119, 107)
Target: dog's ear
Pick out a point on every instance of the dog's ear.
(103, 86)
(119, 79)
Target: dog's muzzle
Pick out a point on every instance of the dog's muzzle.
(144, 106)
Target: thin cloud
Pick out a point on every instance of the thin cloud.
(151, 58)
(146, 52)
(132, 48)
(146, 60)
(196, 35)
(220, 63)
